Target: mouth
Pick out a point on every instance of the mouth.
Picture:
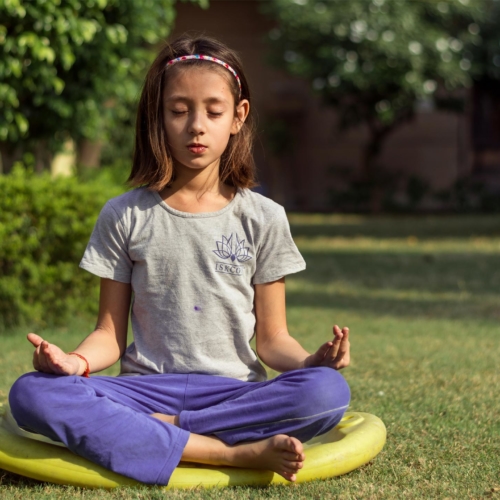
(197, 148)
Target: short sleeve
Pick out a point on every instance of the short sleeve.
(106, 254)
(278, 255)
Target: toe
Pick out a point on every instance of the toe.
(292, 457)
(289, 476)
(294, 466)
(294, 445)
(297, 446)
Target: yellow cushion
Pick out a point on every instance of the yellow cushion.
(355, 441)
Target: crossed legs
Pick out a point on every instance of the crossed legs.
(197, 418)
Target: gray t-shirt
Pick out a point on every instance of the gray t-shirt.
(192, 278)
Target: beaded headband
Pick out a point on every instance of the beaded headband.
(206, 58)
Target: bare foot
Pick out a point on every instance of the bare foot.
(171, 419)
(281, 454)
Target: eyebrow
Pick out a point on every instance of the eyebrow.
(209, 100)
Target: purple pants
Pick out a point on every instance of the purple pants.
(107, 419)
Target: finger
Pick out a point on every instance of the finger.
(346, 360)
(36, 363)
(57, 361)
(343, 357)
(35, 339)
(342, 363)
(337, 332)
(321, 352)
(48, 351)
(344, 343)
(53, 358)
(343, 349)
(332, 354)
(43, 358)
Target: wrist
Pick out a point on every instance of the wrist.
(84, 366)
(308, 361)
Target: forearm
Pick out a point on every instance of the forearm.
(107, 343)
(101, 349)
(282, 353)
(275, 346)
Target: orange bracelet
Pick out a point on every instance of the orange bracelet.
(87, 369)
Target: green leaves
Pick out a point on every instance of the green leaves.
(45, 224)
(117, 34)
(14, 8)
(374, 59)
(61, 60)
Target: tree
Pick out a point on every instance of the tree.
(373, 60)
(72, 68)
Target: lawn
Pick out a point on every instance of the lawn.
(422, 299)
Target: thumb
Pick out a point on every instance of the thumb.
(321, 352)
(35, 339)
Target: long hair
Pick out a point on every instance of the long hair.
(153, 160)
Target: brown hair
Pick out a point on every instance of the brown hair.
(153, 161)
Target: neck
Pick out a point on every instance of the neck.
(197, 191)
(197, 184)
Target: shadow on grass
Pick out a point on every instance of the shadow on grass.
(400, 307)
(399, 227)
(436, 273)
(14, 480)
(413, 285)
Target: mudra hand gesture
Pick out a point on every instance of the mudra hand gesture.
(49, 358)
(335, 353)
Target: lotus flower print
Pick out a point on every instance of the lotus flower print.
(241, 251)
(234, 250)
(224, 248)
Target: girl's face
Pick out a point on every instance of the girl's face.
(199, 116)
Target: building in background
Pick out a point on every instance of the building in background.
(302, 157)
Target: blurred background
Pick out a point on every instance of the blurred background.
(378, 130)
(363, 106)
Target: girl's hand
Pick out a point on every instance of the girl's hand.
(49, 358)
(334, 354)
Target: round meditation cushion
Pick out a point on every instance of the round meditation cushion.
(356, 440)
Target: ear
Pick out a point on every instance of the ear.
(242, 110)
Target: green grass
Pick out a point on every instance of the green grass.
(422, 299)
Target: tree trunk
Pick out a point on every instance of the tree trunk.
(370, 170)
(278, 185)
(43, 157)
(371, 152)
(9, 155)
(89, 153)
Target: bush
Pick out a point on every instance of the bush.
(45, 225)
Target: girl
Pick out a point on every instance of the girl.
(200, 260)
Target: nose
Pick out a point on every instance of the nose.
(196, 125)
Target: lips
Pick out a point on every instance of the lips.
(197, 148)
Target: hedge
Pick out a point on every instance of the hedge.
(45, 224)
